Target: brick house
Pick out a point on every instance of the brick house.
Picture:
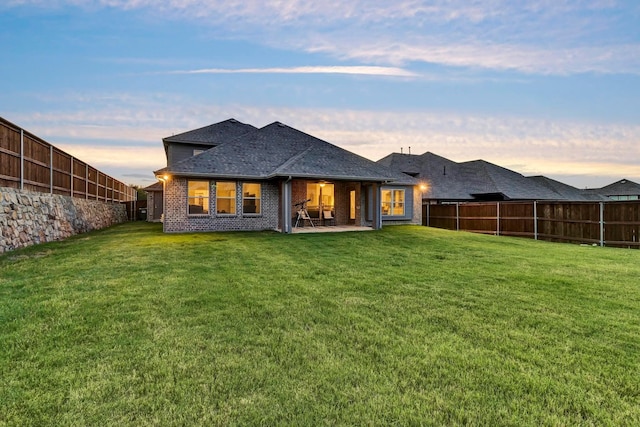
(233, 176)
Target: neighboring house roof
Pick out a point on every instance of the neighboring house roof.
(212, 135)
(567, 192)
(441, 175)
(157, 186)
(409, 164)
(278, 150)
(624, 187)
(477, 180)
(486, 178)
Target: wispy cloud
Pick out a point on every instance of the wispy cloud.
(118, 135)
(146, 158)
(528, 59)
(356, 70)
(536, 36)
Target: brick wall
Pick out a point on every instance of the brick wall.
(176, 218)
(298, 192)
(343, 203)
(151, 195)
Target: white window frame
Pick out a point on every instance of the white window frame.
(256, 198)
(232, 199)
(202, 198)
(395, 201)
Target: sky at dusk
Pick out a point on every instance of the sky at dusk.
(543, 87)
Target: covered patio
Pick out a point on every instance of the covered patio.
(330, 229)
(324, 205)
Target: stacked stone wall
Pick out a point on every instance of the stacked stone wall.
(28, 218)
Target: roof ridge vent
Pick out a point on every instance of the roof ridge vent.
(282, 125)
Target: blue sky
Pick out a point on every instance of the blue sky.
(546, 87)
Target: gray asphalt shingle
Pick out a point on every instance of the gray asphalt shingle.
(624, 187)
(277, 150)
(567, 192)
(214, 134)
(478, 180)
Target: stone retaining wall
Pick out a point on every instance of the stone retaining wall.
(28, 218)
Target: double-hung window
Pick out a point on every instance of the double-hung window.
(392, 202)
(251, 197)
(198, 197)
(225, 198)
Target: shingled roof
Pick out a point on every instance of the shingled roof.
(212, 135)
(486, 178)
(476, 180)
(567, 192)
(624, 187)
(278, 150)
(156, 186)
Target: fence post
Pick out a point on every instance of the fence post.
(428, 213)
(535, 220)
(71, 183)
(21, 159)
(601, 223)
(51, 169)
(86, 181)
(497, 218)
(457, 216)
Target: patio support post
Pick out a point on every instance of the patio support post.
(377, 206)
(286, 207)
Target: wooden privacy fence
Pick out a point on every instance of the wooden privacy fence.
(603, 223)
(136, 210)
(30, 163)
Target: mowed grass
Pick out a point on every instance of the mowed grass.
(404, 326)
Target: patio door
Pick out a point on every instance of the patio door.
(322, 197)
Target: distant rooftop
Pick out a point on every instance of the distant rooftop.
(480, 180)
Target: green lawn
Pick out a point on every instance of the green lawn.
(404, 326)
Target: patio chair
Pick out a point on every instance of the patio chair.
(328, 218)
